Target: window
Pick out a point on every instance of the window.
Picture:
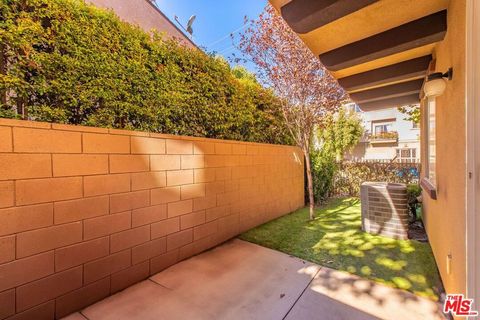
(406, 154)
(430, 138)
(353, 107)
(380, 128)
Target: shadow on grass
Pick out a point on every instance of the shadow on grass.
(335, 239)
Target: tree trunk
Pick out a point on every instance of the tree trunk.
(311, 200)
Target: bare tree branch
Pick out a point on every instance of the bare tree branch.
(307, 90)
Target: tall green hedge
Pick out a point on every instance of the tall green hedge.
(68, 62)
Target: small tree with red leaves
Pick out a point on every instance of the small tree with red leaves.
(306, 89)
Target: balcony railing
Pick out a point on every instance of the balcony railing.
(383, 137)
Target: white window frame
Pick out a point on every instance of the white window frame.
(388, 126)
(430, 136)
(411, 158)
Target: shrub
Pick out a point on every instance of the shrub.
(413, 191)
(350, 175)
(70, 62)
(323, 170)
(341, 131)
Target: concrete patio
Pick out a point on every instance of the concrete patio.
(240, 280)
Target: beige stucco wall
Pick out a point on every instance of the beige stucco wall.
(366, 151)
(408, 137)
(445, 217)
(145, 15)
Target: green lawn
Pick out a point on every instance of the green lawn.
(335, 239)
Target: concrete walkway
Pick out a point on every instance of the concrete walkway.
(240, 280)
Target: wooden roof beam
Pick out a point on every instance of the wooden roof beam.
(386, 92)
(390, 102)
(304, 16)
(405, 70)
(417, 33)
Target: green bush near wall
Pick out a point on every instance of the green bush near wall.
(68, 62)
(350, 175)
(324, 169)
(341, 132)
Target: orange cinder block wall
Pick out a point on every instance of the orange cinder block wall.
(86, 212)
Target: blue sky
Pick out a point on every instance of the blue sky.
(216, 19)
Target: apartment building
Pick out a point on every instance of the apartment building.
(388, 137)
(146, 15)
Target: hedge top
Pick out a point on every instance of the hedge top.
(68, 62)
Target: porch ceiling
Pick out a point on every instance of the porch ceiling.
(379, 50)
